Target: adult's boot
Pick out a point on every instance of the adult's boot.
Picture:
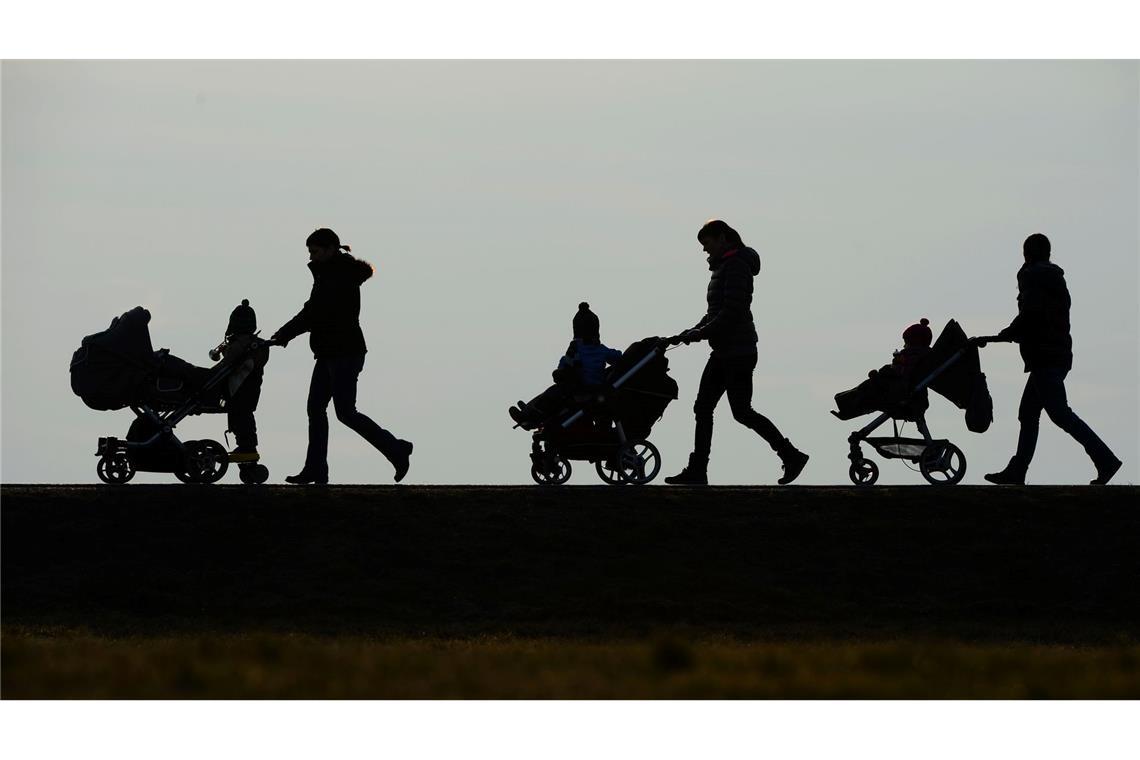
(694, 474)
(793, 461)
(1012, 475)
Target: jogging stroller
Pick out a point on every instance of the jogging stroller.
(609, 426)
(953, 369)
(119, 368)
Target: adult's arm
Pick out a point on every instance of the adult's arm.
(294, 327)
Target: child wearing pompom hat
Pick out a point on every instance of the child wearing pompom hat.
(244, 386)
(582, 366)
(916, 344)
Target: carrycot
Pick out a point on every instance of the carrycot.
(119, 367)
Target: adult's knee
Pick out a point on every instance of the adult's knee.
(703, 409)
(346, 413)
(317, 411)
(742, 412)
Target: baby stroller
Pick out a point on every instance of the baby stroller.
(953, 369)
(609, 426)
(119, 368)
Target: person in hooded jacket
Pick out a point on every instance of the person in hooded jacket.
(331, 316)
(731, 333)
(1041, 330)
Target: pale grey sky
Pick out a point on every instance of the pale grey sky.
(494, 196)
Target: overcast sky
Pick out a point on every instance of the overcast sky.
(492, 197)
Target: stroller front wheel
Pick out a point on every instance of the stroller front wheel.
(555, 472)
(863, 473)
(115, 469)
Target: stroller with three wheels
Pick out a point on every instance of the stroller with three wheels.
(119, 368)
(953, 369)
(609, 426)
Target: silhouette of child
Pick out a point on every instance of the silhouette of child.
(582, 367)
(244, 386)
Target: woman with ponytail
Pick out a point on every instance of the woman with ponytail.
(331, 316)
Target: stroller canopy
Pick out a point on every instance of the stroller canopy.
(642, 398)
(109, 368)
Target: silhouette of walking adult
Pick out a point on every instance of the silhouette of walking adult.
(731, 332)
(1041, 328)
(331, 316)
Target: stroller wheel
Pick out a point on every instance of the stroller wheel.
(942, 464)
(635, 463)
(863, 473)
(116, 469)
(254, 474)
(206, 462)
(555, 473)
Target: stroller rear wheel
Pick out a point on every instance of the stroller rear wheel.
(942, 464)
(863, 473)
(555, 472)
(115, 469)
(206, 462)
(635, 463)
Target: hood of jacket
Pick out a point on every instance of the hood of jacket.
(343, 265)
(749, 255)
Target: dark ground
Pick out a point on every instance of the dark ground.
(402, 592)
(1040, 564)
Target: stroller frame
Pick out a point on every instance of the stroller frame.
(635, 463)
(939, 460)
(200, 461)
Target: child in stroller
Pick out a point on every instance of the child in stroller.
(598, 416)
(119, 368)
(899, 392)
(580, 371)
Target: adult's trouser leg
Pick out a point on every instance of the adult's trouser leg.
(711, 388)
(320, 393)
(239, 411)
(738, 381)
(344, 374)
(1050, 385)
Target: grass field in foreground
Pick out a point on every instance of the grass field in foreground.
(79, 665)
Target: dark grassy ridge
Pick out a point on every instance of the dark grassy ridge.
(1034, 564)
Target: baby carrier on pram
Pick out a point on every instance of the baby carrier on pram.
(952, 369)
(609, 426)
(119, 368)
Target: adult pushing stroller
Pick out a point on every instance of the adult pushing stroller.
(609, 426)
(119, 368)
(952, 368)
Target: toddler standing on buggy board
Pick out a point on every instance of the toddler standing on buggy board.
(119, 368)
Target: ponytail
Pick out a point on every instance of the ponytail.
(326, 238)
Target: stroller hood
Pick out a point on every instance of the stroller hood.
(110, 367)
(644, 396)
(962, 383)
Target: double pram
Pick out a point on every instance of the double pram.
(119, 368)
(951, 368)
(608, 426)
